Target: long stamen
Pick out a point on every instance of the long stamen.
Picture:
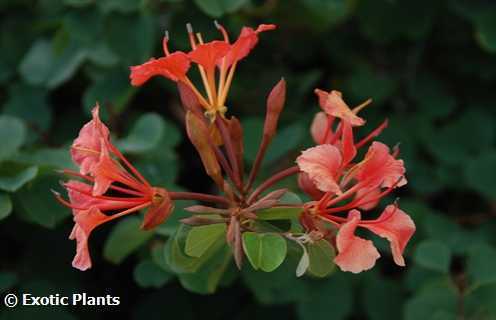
(90, 194)
(200, 97)
(128, 211)
(222, 98)
(372, 135)
(191, 36)
(130, 166)
(91, 179)
(164, 43)
(208, 78)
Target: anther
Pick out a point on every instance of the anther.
(189, 27)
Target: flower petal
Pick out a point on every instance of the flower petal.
(321, 127)
(354, 253)
(332, 103)
(322, 164)
(396, 226)
(247, 40)
(347, 145)
(86, 148)
(381, 168)
(173, 67)
(209, 54)
(86, 221)
(306, 184)
(159, 211)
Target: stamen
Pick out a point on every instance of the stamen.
(164, 43)
(222, 30)
(358, 108)
(222, 98)
(191, 36)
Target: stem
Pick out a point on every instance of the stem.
(231, 154)
(198, 196)
(271, 181)
(258, 161)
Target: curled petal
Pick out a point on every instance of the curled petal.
(173, 67)
(321, 127)
(160, 209)
(209, 54)
(396, 226)
(85, 149)
(354, 253)
(332, 103)
(247, 40)
(367, 199)
(85, 222)
(347, 145)
(322, 164)
(381, 168)
(306, 184)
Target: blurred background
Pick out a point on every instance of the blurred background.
(429, 66)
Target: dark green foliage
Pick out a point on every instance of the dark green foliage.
(429, 66)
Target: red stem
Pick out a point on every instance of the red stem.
(258, 161)
(226, 137)
(271, 181)
(198, 196)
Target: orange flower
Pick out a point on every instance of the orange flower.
(102, 166)
(330, 176)
(207, 55)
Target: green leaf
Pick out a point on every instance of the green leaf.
(112, 89)
(303, 264)
(264, 251)
(486, 30)
(31, 105)
(327, 299)
(124, 6)
(140, 35)
(43, 66)
(201, 238)
(148, 274)
(38, 203)
(208, 278)
(5, 205)
(481, 265)
(321, 254)
(47, 157)
(329, 12)
(434, 299)
(217, 8)
(481, 175)
(178, 261)
(7, 281)
(145, 134)
(286, 139)
(13, 177)
(124, 239)
(282, 213)
(12, 135)
(434, 255)
(384, 306)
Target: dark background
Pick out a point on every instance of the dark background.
(429, 66)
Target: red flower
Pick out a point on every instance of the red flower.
(330, 176)
(104, 165)
(207, 55)
(173, 67)
(356, 254)
(333, 104)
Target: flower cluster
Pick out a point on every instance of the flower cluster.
(210, 56)
(103, 168)
(340, 186)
